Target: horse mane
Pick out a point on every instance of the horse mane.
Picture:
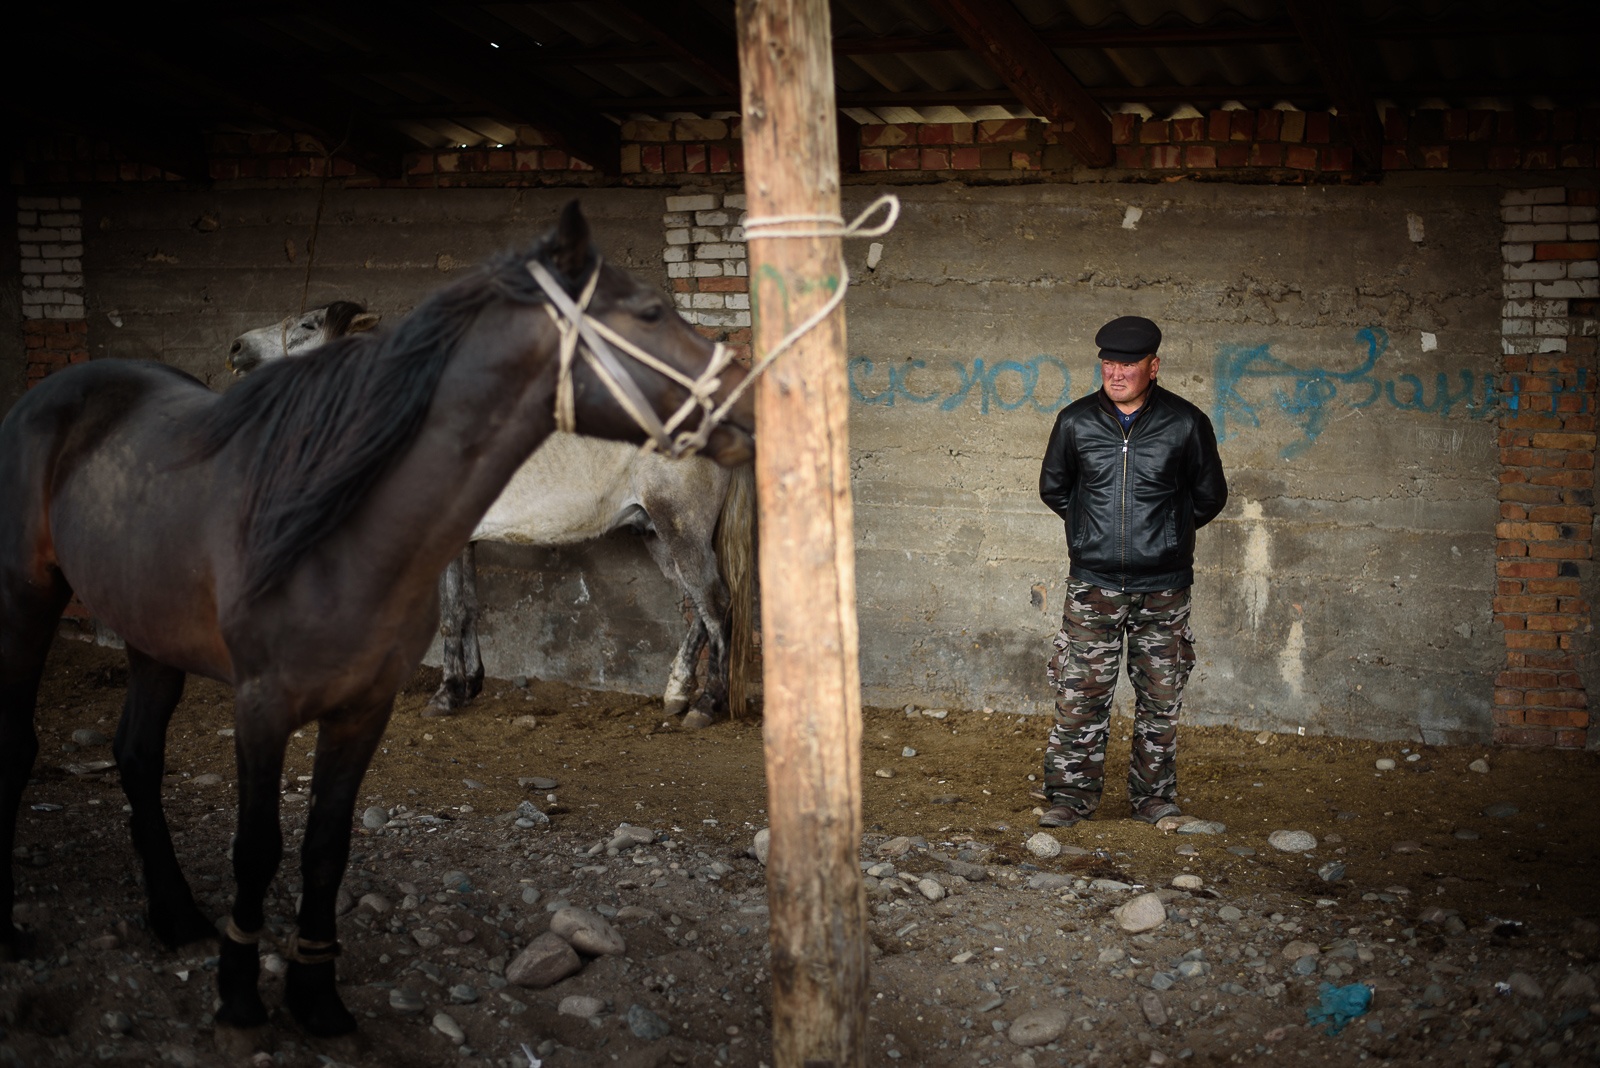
(340, 314)
(327, 427)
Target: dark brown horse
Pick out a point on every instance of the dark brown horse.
(287, 538)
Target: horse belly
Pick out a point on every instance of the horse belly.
(572, 489)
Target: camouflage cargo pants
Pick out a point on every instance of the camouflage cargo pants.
(1088, 650)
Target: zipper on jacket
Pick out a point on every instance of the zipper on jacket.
(1123, 504)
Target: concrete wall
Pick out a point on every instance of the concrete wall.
(1346, 588)
(1344, 340)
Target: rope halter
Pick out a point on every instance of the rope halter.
(583, 333)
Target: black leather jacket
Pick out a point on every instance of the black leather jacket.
(1132, 502)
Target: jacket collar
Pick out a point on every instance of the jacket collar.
(1150, 398)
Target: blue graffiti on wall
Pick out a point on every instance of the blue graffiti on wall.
(1005, 385)
(1307, 396)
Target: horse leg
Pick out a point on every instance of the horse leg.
(345, 744)
(28, 618)
(680, 681)
(688, 559)
(258, 744)
(458, 631)
(154, 690)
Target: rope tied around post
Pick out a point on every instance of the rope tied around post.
(583, 333)
(782, 226)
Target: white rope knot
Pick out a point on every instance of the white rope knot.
(785, 226)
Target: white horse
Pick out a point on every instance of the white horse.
(698, 519)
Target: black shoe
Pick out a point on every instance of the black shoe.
(1060, 816)
(1156, 811)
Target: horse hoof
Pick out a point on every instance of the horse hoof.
(313, 1001)
(695, 720)
(180, 927)
(242, 1013)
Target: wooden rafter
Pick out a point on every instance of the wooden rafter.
(688, 35)
(1012, 48)
(1325, 38)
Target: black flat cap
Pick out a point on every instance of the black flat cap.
(1128, 339)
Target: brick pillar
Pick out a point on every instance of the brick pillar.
(50, 237)
(705, 257)
(1547, 451)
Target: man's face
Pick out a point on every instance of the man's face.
(1127, 383)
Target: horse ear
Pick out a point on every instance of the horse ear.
(572, 247)
(364, 322)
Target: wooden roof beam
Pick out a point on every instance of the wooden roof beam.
(1012, 48)
(688, 35)
(1326, 39)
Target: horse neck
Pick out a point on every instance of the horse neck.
(493, 407)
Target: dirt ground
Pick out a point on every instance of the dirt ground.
(1477, 932)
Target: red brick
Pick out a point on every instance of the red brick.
(1540, 717)
(1340, 158)
(1567, 250)
(1165, 157)
(1539, 158)
(1505, 158)
(1396, 125)
(1155, 132)
(1301, 158)
(1511, 510)
(1396, 158)
(991, 131)
(1559, 550)
(1269, 123)
(1218, 125)
(874, 159)
(694, 159)
(1561, 514)
(1124, 128)
(1480, 124)
(672, 161)
(724, 285)
(1024, 160)
(935, 133)
(1510, 550)
(1189, 129)
(1455, 124)
(1317, 124)
(935, 159)
(1435, 157)
(1564, 588)
(723, 159)
(1200, 157)
(651, 160)
(1505, 698)
(1583, 197)
(1242, 125)
(1266, 155)
(1234, 155)
(968, 157)
(888, 135)
(1528, 639)
(904, 159)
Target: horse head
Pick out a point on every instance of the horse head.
(294, 334)
(669, 381)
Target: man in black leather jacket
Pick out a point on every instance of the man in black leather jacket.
(1133, 470)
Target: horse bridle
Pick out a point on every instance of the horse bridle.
(582, 332)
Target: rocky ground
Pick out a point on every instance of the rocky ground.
(1459, 885)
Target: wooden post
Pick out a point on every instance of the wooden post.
(811, 679)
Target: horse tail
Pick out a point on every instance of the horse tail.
(736, 557)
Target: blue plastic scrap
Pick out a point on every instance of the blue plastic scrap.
(1338, 1005)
